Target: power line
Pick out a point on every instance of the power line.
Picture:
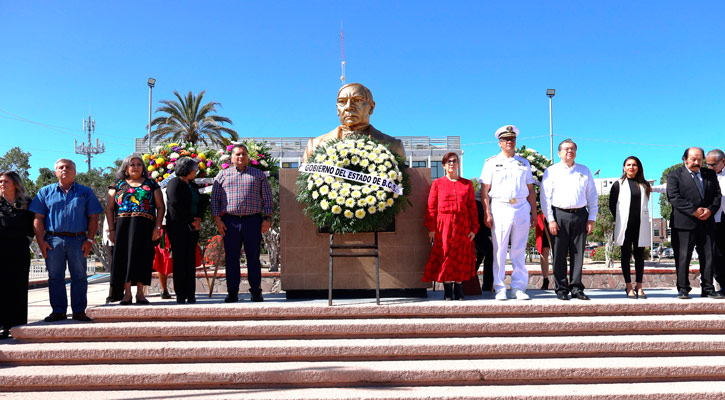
(62, 129)
(586, 139)
(496, 141)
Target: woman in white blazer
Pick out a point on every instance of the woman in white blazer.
(628, 201)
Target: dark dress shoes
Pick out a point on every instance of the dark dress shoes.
(713, 295)
(191, 300)
(126, 302)
(545, 284)
(165, 295)
(562, 295)
(54, 317)
(5, 334)
(81, 316)
(580, 295)
(143, 301)
(231, 298)
(682, 294)
(257, 295)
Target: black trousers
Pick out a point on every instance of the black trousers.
(484, 250)
(683, 242)
(569, 243)
(718, 264)
(629, 248)
(183, 252)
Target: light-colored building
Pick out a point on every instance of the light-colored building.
(422, 151)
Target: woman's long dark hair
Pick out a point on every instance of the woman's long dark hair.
(639, 177)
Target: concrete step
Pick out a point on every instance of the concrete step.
(371, 328)
(713, 390)
(216, 310)
(363, 373)
(361, 349)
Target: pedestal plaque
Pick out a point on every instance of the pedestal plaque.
(305, 251)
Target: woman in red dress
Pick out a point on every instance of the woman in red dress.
(452, 222)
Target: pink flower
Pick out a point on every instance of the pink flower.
(261, 156)
(209, 163)
(230, 147)
(225, 165)
(255, 162)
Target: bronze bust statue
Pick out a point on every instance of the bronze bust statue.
(354, 106)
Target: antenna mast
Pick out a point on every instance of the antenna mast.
(342, 53)
(89, 150)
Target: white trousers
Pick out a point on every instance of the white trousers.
(510, 221)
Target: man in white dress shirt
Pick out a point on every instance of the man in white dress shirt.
(715, 160)
(508, 198)
(570, 203)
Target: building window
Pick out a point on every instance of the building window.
(657, 232)
(290, 165)
(420, 164)
(436, 170)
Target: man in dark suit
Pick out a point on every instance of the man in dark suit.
(694, 193)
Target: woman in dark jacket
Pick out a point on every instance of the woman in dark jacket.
(184, 211)
(16, 231)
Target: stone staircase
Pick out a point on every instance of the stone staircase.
(660, 348)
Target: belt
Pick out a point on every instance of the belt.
(69, 234)
(509, 201)
(569, 210)
(244, 216)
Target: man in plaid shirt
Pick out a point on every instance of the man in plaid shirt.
(241, 204)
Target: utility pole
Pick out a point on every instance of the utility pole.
(89, 150)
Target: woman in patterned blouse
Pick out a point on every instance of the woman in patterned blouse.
(135, 211)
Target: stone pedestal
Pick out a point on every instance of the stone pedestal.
(306, 252)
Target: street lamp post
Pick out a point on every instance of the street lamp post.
(152, 83)
(551, 93)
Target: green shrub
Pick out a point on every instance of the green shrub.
(599, 253)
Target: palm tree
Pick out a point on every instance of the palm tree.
(189, 122)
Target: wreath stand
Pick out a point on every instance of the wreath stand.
(372, 253)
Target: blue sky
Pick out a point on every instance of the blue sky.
(642, 78)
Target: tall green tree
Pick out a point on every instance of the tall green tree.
(188, 121)
(665, 206)
(16, 160)
(604, 228)
(19, 161)
(46, 176)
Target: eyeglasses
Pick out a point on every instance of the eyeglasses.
(452, 162)
(507, 139)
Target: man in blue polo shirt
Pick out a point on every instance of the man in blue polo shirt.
(66, 220)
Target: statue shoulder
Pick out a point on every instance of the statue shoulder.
(382, 136)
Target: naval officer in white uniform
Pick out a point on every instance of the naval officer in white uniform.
(509, 203)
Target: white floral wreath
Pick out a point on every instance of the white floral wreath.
(358, 185)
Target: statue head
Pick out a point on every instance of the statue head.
(354, 106)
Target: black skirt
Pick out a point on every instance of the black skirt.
(133, 253)
(14, 269)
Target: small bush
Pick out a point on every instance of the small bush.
(599, 253)
(616, 253)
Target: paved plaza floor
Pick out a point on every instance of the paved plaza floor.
(39, 305)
